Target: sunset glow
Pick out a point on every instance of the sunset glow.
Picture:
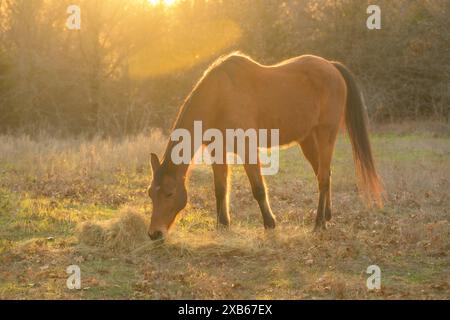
(166, 3)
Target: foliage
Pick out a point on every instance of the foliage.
(132, 63)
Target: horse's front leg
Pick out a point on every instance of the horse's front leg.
(221, 189)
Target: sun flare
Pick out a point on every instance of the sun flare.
(166, 3)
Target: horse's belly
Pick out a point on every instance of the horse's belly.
(288, 136)
(293, 122)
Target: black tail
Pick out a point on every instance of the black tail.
(356, 123)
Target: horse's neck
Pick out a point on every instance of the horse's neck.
(186, 118)
(178, 170)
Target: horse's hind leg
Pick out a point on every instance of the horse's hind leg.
(326, 137)
(260, 193)
(311, 152)
(221, 189)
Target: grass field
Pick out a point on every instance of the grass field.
(49, 187)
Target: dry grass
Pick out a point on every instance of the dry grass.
(66, 202)
(75, 168)
(123, 233)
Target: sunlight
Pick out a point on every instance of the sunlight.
(166, 3)
(183, 50)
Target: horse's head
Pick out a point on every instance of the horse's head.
(169, 197)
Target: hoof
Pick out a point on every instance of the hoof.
(223, 222)
(223, 226)
(270, 224)
(321, 226)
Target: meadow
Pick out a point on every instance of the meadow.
(53, 192)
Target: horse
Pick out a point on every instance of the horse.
(307, 98)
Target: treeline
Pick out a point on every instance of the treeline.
(132, 62)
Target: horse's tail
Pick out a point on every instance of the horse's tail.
(356, 123)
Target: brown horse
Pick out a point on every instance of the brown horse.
(306, 98)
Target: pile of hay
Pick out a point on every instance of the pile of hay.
(123, 233)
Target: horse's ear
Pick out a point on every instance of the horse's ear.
(154, 162)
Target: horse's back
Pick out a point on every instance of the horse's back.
(293, 96)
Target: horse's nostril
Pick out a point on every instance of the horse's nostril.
(157, 235)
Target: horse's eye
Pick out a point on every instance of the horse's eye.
(169, 194)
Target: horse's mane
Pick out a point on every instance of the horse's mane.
(220, 64)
